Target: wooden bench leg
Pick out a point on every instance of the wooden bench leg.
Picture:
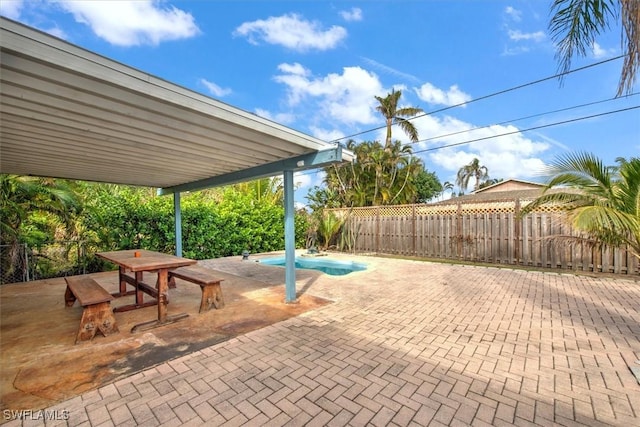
(69, 297)
(211, 295)
(97, 317)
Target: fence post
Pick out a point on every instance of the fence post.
(415, 231)
(377, 229)
(458, 234)
(517, 231)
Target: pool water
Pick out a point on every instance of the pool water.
(327, 266)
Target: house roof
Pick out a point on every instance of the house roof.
(66, 112)
(512, 183)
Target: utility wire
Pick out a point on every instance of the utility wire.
(313, 171)
(520, 118)
(487, 96)
(528, 129)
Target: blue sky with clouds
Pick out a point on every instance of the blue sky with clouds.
(316, 66)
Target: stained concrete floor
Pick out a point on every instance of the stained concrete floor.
(40, 364)
(405, 343)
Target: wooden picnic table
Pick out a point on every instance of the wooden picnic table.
(137, 262)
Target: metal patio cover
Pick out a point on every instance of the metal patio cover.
(66, 112)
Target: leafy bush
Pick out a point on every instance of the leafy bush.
(127, 218)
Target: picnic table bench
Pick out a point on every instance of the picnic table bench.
(209, 284)
(97, 314)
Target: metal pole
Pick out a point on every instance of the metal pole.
(178, 222)
(289, 239)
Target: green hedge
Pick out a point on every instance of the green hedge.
(212, 227)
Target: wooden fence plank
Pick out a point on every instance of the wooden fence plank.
(490, 235)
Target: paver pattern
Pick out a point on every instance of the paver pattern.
(405, 343)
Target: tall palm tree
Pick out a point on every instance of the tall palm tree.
(603, 202)
(575, 24)
(473, 169)
(388, 107)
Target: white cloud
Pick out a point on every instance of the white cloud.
(282, 118)
(390, 70)
(355, 14)
(303, 179)
(17, 9)
(509, 156)
(57, 32)
(599, 52)
(345, 98)
(517, 35)
(214, 89)
(431, 94)
(11, 8)
(295, 68)
(133, 23)
(340, 104)
(513, 13)
(292, 32)
(519, 41)
(511, 51)
(328, 135)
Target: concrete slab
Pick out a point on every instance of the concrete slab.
(403, 343)
(41, 365)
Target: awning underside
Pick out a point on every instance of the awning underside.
(68, 113)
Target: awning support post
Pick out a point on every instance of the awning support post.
(178, 222)
(289, 238)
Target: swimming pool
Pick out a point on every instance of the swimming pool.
(328, 266)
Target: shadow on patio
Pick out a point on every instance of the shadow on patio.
(42, 366)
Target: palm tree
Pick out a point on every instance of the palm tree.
(388, 107)
(378, 176)
(447, 186)
(475, 170)
(403, 168)
(328, 227)
(269, 190)
(575, 24)
(603, 202)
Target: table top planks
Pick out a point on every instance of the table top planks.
(147, 261)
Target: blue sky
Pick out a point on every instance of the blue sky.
(316, 66)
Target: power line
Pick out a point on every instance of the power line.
(528, 129)
(588, 104)
(487, 96)
(512, 132)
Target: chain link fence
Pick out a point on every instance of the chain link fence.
(21, 263)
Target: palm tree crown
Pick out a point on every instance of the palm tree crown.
(473, 169)
(388, 107)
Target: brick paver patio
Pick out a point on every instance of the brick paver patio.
(405, 343)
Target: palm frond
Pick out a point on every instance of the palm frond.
(603, 202)
(574, 26)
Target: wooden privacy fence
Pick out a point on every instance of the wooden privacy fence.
(479, 232)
